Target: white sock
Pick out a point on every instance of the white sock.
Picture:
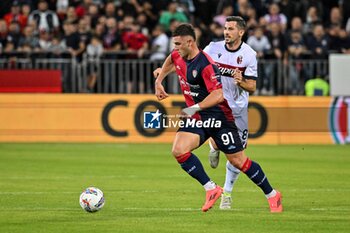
(272, 194)
(212, 149)
(210, 185)
(231, 176)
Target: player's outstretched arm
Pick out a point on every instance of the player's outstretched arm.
(215, 97)
(157, 71)
(159, 89)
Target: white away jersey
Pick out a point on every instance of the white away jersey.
(244, 58)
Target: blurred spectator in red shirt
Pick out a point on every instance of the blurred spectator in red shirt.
(25, 10)
(135, 41)
(15, 15)
(83, 8)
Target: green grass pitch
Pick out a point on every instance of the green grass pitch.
(147, 191)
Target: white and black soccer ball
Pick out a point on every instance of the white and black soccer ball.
(92, 199)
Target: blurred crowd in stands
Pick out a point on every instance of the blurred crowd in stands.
(277, 29)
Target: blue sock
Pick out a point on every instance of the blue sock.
(256, 174)
(194, 168)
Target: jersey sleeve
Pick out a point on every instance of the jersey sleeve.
(207, 48)
(174, 55)
(251, 71)
(212, 78)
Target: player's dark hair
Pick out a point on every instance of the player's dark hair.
(185, 29)
(241, 24)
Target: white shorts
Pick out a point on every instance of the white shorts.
(241, 122)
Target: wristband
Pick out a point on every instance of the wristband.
(192, 109)
(195, 107)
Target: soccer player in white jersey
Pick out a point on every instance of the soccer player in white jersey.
(238, 66)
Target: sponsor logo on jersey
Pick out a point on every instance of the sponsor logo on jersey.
(182, 82)
(195, 94)
(227, 70)
(339, 120)
(219, 55)
(216, 76)
(239, 59)
(185, 84)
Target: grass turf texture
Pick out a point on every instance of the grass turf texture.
(147, 191)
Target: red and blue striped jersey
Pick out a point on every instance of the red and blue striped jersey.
(198, 77)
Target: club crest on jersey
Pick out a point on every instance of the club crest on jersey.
(239, 59)
(194, 73)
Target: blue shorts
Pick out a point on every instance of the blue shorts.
(226, 137)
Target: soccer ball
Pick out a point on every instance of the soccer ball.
(92, 199)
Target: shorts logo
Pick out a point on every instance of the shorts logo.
(151, 120)
(339, 120)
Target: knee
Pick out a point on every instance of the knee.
(177, 151)
(232, 168)
(234, 162)
(237, 160)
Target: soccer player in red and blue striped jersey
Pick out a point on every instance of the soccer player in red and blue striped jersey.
(200, 83)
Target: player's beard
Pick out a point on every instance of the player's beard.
(230, 42)
(184, 54)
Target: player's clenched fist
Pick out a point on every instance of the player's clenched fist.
(160, 92)
(237, 76)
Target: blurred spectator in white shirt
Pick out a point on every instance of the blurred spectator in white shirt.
(46, 19)
(160, 44)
